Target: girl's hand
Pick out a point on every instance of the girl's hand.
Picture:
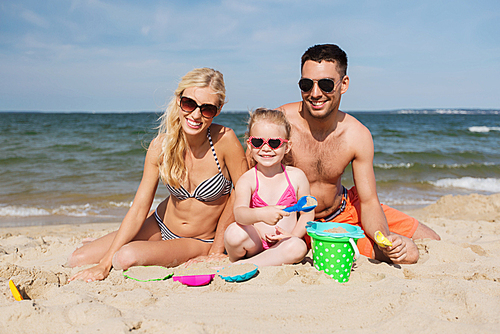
(272, 214)
(96, 273)
(280, 235)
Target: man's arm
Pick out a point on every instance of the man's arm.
(404, 249)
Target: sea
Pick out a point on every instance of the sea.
(85, 167)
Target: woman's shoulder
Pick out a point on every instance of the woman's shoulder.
(247, 179)
(158, 140)
(221, 132)
(225, 140)
(156, 144)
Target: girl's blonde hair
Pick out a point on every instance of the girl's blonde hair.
(272, 116)
(171, 160)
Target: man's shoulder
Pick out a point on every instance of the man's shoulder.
(290, 107)
(355, 133)
(295, 171)
(352, 123)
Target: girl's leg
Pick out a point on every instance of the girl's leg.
(166, 253)
(286, 251)
(93, 252)
(242, 241)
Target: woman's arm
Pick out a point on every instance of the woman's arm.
(236, 164)
(134, 218)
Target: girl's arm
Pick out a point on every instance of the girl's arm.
(245, 215)
(303, 189)
(134, 218)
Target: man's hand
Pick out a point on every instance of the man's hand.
(402, 251)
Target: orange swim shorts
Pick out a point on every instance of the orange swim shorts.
(398, 221)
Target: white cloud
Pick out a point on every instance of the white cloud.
(34, 19)
(401, 54)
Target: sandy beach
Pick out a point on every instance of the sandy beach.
(453, 288)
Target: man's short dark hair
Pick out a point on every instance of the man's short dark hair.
(326, 52)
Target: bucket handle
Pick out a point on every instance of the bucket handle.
(356, 250)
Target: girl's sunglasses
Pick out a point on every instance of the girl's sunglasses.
(326, 85)
(189, 105)
(273, 143)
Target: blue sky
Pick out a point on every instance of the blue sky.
(91, 55)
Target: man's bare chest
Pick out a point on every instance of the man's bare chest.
(321, 160)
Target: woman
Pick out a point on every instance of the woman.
(199, 162)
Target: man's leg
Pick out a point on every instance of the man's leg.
(425, 232)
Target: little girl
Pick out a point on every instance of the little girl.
(263, 233)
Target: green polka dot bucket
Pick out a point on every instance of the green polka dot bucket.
(334, 253)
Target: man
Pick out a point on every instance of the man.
(325, 140)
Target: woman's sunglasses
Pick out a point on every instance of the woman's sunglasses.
(326, 85)
(273, 143)
(189, 105)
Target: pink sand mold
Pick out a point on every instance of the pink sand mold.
(194, 280)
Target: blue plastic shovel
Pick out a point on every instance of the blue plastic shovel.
(304, 204)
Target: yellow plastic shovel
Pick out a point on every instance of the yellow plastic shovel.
(381, 240)
(15, 292)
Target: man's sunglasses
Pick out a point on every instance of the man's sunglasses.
(189, 105)
(326, 85)
(273, 143)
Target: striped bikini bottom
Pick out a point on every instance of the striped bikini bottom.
(166, 234)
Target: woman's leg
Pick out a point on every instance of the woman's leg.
(93, 252)
(166, 253)
(286, 251)
(242, 241)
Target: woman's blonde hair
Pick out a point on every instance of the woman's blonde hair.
(172, 158)
(272, 116)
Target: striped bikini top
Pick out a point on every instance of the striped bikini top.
(209, 190)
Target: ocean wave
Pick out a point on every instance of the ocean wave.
(407, 165)
(449, 111)
(483, 129)
(406, 202)
(391, 166)
(65, 210)
(471, 183)
(18, 211)
(120, 204)
(83, 210)
(75, 210)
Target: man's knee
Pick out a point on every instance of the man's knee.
(425, 232)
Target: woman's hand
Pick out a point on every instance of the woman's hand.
(272, 214)
(96, 273)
